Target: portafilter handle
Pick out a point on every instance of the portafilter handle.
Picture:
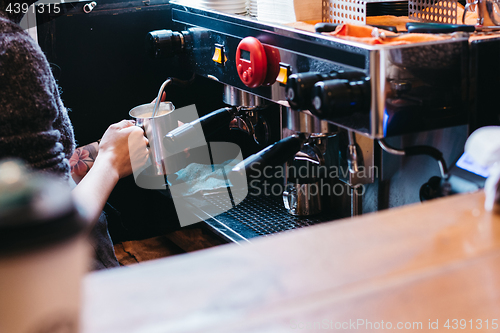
(189, 135)
(275, 154)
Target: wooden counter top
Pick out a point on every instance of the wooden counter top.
(417, 264)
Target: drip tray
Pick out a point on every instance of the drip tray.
(256, 216)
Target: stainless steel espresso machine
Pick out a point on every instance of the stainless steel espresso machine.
(360, 128)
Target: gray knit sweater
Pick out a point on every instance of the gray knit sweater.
(34, 123)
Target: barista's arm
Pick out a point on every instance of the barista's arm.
(120, 143)
(82, 160)
(84, 157)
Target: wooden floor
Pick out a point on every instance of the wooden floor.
(188, 239)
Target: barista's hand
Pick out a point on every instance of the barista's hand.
(121, 142)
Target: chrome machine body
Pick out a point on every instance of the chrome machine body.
(407, 95)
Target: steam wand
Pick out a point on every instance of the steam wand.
(170, 80)
(418, 150)
(435, 187)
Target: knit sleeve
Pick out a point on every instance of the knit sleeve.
(63, 125)
(34, 123)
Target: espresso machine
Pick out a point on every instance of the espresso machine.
(343, 128)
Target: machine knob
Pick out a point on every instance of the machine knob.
(164, 43)
(339, 97)
(299, 87)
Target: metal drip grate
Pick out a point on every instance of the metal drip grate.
(260, 216)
